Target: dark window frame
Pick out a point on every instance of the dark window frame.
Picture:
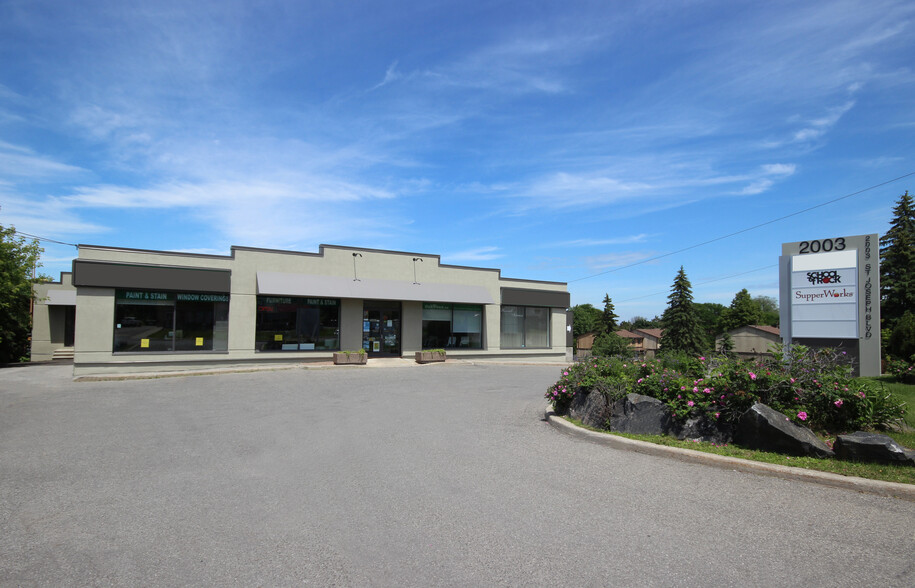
(451, 333)
(178, 304)
(524, 334)
(300, 303)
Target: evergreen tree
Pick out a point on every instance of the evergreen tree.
(18, 261)
(742, 312)
(608, 318)
(681, 327)
(902, 341)
(897, 263)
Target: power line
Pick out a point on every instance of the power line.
(769, 222)
(29, 235)
(759, 269)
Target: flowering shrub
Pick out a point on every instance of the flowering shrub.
(903, 371)
(812, 387)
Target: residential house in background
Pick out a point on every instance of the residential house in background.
(651, 340)
(752, 341)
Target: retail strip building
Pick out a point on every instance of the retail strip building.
(129, 311)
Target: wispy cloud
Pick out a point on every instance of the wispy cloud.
(627, 240)
(390, 75)
(477, 254)
(613, 260)
(21, 162)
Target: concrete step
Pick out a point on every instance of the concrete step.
(64, 353)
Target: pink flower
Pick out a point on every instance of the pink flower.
(565, 373)
(717, 414)
(640, 381)
(802, 415)
(690, 403)
(706, 390)
(838, 402)
(679, 396)
(752, 376)
(701, 359)
(792, 380)
(861, 394)
(695, 389)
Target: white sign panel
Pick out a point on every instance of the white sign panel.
(824, 295)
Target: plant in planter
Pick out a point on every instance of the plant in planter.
(357, 357)
(430, 356)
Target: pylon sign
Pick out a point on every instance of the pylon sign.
(830, 296)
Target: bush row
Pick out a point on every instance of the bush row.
(812, 387)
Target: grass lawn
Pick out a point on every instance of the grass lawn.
(887, 473)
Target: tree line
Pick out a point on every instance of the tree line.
(693, 327)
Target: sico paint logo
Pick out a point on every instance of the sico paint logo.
(824, 277)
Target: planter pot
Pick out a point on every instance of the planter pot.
(344, 358)
(430, 356)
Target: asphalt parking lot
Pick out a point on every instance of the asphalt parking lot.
(439, 475)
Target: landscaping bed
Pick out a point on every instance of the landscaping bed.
(802, 406)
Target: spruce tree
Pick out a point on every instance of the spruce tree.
(897, 263)
(681, 326)
(608, 318)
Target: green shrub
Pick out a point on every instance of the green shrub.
(812, 387)
(610, 345)
(902, 339)
(903, 371)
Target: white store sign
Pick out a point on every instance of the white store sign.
(824, 295)
(829, 291)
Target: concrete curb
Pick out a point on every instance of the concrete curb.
(890, 489)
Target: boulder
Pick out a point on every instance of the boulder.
(872, 447)
(640, 415)
(703, 428)
(766, 429)
(591, 408)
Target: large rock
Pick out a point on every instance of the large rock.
(872, 447)
(766, 429)
(591, 407)
(703, 428)
(640, 415)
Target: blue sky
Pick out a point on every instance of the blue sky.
(554, 140)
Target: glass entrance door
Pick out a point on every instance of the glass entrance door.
(381, 328)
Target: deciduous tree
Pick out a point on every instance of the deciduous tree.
(18, 262)
(742, 312)
(585, 319)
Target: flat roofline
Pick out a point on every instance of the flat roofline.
(320, 253)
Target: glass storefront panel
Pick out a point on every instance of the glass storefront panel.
(381, 327)
(147, 321)
(525, 327)
(297, 324)
(452, 326)
(536, 327)
(512, 327)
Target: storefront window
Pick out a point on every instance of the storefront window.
(297, 324)
(452, 326)
(146, 320)
(525, 327)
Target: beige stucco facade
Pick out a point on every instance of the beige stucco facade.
(50, 322)
(356, 269)
(752, 340)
